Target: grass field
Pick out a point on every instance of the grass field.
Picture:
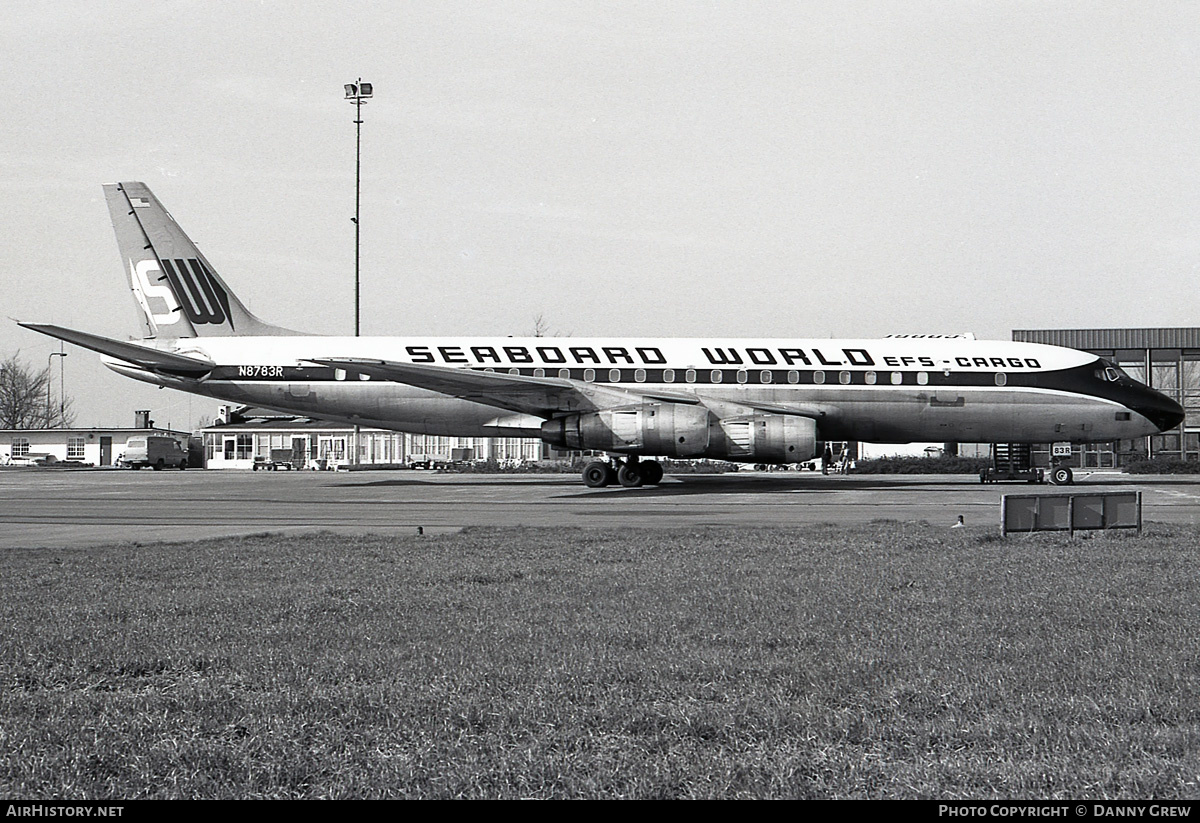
(892, 660)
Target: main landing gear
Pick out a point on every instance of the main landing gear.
(630, 473)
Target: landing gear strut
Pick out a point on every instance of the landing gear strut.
(631, 473)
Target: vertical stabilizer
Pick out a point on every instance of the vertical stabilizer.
(177, 290)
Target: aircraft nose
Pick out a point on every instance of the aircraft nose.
(1160, 410)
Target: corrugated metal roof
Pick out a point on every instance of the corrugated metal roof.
(1088, 339)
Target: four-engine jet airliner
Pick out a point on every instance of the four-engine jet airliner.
(752, 400)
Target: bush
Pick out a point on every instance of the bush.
(922, 465)
(1163, 465)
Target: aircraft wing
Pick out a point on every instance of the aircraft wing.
(143, 356)
(542, 396)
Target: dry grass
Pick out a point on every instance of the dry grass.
(894, 660)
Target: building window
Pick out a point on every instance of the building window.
(75, 446)
(20, 447)
(245, 446)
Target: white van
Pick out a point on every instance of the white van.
(157, 452)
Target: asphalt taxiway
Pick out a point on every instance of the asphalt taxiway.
(62, 508)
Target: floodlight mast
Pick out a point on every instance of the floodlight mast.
(357, 93)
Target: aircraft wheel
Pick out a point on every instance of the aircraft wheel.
(652, 472)
(630, 475)
(597, 475)
(1061, 476)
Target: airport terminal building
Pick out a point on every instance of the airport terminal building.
(248, 440)
(1164, 359)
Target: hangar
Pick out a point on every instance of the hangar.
(1165, 359)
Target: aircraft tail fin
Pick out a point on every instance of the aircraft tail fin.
(177, 290)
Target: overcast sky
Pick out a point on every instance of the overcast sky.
(620, 168)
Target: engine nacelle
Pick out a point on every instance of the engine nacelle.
(684, 431)
(662, 429)
(769, 438)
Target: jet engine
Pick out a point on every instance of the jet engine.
(664, 429)
(768, 438)
(685, 431)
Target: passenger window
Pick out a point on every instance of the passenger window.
(589, 375)
(614, 375)
(716, 376)
(690, 376)
(897, 378)
(742, 377)
(844, 378)
(793, 376)
(818, 377)
(923, 378)
(1001, 378)
(668, 375)
(640, 376)
(539, 372)
(764, 376)
(564, 373)
(870, 378)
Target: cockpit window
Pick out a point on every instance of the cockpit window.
(1109, 373)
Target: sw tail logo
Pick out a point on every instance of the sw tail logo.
(193, 290)
(201, 296)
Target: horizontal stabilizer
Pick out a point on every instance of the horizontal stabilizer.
(147, 358)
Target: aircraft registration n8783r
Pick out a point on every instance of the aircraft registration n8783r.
(759, 401)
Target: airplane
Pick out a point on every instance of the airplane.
(768, 401)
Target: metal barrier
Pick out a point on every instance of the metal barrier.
(1070, 512)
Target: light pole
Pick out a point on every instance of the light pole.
(357, 93)
(61, 400)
